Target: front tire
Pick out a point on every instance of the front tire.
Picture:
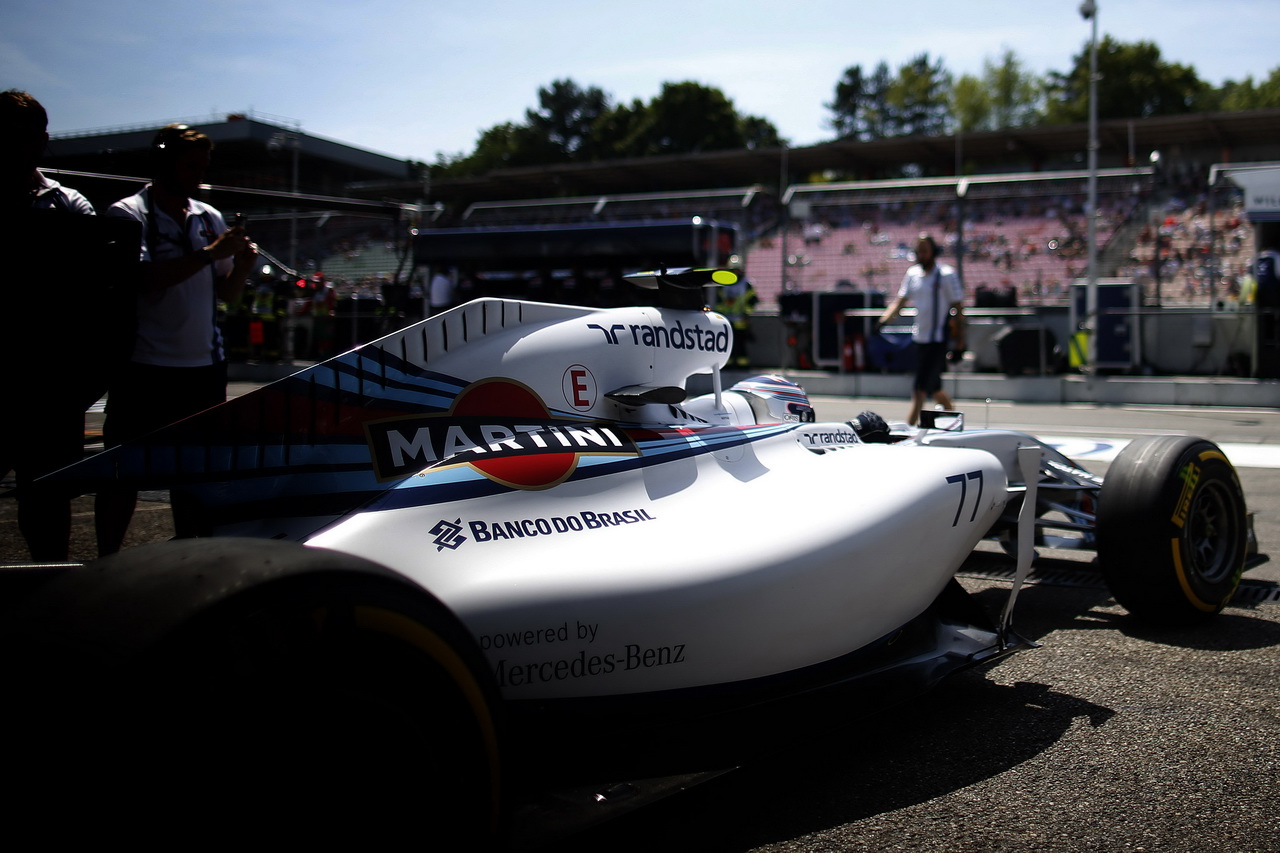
(247, 686)
(1172, 529)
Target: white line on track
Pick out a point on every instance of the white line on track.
(1106, 449)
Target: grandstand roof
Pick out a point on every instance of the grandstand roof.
(256, 153)
(1202, 138)
(251, 153)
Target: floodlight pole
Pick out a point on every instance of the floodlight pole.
(1089, 10)
(785, 215)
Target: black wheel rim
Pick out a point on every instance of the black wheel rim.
(1212, 534)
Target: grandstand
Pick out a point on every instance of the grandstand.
(1023, 219)
(1024, 234)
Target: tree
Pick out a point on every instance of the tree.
(1015, 94)
(851, 92)
(1133, 82)
(617, 126)
(758, 132)
(875, 109)
(858, 108)
(575, 125)
(566, 119)
(918, 99)
(1005, 96)
(687, 117)
(970, 104)
(506, 145)
(1245, 95)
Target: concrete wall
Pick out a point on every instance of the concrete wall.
(1174, 341)
(1103, 390)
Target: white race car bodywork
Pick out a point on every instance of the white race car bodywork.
(604, 588)
(529, 465)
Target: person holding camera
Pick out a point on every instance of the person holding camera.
(938, 296)
(190, 259)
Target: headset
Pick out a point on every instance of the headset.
(932, 244)
(173, 139)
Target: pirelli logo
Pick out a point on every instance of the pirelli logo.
(1190, 476)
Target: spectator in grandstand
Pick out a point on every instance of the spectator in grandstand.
(43, 430)
(189, 259)
(813, 233)
(938, 296)
(440, 293)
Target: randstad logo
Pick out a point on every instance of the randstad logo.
(712, 338)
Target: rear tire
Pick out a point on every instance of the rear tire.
(1172, 529)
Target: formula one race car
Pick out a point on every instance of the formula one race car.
(499, 552)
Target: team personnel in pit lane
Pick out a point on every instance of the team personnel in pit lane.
(938, 296)
(43, 430)
(190, 260)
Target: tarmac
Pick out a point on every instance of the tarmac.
(1112, 737)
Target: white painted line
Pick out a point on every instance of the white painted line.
(1106, 449)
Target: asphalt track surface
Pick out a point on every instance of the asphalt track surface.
(1112, 736)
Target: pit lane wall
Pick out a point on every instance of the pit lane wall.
(1106, 390)
(1183, 356)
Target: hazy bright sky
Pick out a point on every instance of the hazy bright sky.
(412, 79)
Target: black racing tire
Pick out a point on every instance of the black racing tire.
(247, 686)
(1172, 529)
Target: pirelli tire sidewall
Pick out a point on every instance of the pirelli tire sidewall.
(1172, 529)
(271, 685)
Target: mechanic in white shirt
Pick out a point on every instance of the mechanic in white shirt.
(440, 293)
(938, 296)
(190, 260)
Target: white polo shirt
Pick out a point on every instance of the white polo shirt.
(177, 327)
(47, 193)
(931, 314)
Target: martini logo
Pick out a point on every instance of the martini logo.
(500, 428)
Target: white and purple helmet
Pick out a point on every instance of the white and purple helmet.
(774, 399)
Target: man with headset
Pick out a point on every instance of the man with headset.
(190, 259)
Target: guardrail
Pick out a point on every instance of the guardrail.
(970, 313)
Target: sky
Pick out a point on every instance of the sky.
(419, 78)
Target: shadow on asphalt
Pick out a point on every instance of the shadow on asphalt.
(968, 730)
(1046, 607)
(921, 751)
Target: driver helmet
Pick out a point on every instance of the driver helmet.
(774, 399)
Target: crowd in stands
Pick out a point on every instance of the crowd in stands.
(1024, 241)
(1027, 247)
(1193, 266)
